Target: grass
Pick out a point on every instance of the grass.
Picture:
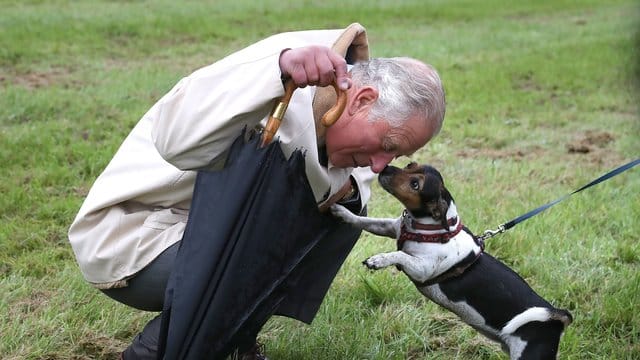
(542, 98)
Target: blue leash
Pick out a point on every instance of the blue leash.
(508, 225)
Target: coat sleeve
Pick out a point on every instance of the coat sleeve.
(198, 119)
(196, 122)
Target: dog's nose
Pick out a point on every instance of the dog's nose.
(379, 161)
(388, 170)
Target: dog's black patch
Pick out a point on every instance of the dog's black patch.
(511, 297)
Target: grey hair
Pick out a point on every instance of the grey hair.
(406, 88)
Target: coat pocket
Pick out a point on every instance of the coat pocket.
(165, 218)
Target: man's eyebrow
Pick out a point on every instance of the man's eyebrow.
(388, 144)
(391, 143)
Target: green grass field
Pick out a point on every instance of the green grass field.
(542, 98)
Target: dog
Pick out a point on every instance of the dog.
(448, 264)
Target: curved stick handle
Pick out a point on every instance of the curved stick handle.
(328, 119)
(332, 115)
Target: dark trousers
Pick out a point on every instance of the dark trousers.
(313, 276)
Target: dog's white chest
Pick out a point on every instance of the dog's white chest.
(438, 258)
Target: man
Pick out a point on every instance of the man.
(126, 233)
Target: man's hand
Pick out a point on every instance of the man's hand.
(314, 65)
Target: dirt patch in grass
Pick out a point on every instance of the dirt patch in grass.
(590, 141)
(33, 80)
(526, 82)
(28, 306)
(595, 146)
(515, 154)
(100, 347)
(89, 347)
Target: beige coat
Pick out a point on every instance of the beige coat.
(138, 206)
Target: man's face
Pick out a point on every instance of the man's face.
(356, 142)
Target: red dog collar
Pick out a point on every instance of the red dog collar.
(410, 230)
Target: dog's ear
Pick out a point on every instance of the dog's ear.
(445, 200)
(436, 196)
(443, 208)
(438, 209)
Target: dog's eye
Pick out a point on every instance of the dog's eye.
(415, 184)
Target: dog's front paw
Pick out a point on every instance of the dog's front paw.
(376, 262)
(341, 212)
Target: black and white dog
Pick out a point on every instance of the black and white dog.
(448, 265)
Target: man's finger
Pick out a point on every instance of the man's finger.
(325, 70)
(340, 66)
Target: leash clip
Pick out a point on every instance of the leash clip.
(491, 233)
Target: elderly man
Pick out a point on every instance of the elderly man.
(126, 233)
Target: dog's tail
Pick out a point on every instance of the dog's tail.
(561, 315)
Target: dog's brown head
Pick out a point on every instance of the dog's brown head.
(420, 188)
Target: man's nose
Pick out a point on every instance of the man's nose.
(379, 161)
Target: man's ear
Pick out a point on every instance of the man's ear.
(363, 99)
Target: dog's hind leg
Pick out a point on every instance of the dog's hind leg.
(540, 340)
(417, 269)
(535, 333)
